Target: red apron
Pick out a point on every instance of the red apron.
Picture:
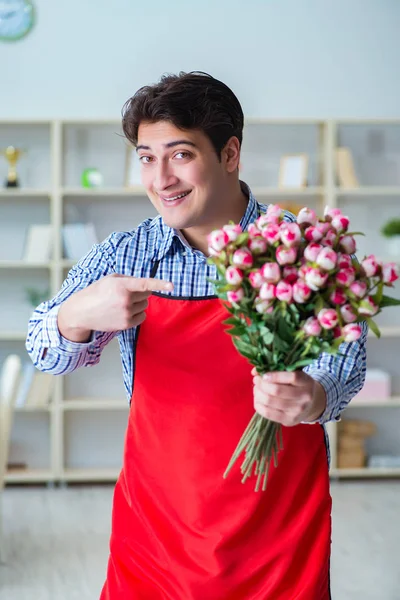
(179, 530)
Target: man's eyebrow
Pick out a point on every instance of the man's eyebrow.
(169, 145)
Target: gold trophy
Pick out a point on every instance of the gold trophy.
(12, 155)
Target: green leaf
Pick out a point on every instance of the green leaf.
(242, 239)
(388, 301)
(373, 327)
(379, 293)
(300, 363)
(246, 350)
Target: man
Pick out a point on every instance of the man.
(180, 531)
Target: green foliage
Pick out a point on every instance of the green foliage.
(391, 228)
(36, 297)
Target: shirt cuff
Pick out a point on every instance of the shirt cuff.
(333, 391)
(52, 338)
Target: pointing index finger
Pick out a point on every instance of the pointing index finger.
(148, 284)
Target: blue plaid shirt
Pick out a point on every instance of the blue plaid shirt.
(133, 253)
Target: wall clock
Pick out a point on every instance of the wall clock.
(16, 19)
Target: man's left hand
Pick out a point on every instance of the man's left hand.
(288, 398)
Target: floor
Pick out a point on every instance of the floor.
(57, 542)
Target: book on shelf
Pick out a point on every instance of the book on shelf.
(345, 170)
(78, 239)
(38, 244)
(35, 388)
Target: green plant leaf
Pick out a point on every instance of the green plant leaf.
(373, 327)
(388, 301)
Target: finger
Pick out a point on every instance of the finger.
(137, 320)
(278, 416)
(139, 307)
(287, 377)
(148, 284)
(280, 390)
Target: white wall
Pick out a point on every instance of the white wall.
(323, 58)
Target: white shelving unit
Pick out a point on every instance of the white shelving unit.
(79, 436)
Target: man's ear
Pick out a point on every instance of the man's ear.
(230, 154)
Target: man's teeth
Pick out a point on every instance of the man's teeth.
(176, 197)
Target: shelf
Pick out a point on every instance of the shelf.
(28, 476)
(34, 409)
(369, 191)
(366, 472)
(104, 192)
(22, 264)
(8, 193)
(393, 402)
(100, 475)
(12, 336)
(386, 332)
(95, 404)
(269, 192)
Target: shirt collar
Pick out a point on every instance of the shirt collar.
(169, 235)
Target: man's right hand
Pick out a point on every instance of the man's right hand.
(114, 303)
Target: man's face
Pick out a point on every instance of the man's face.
(183, 177)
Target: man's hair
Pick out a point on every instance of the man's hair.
(193, 100)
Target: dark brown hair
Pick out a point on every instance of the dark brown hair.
(193, 100)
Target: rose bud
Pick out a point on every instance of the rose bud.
(235, 296)
(253, 230)
(312, 327)
(256, 279)
(306, 215)
(368, 307)
(337, 332)
(290, 234)
(347, 243)
(328, 318)
(315, 279)
(312, 234)
(286, 256)
(326, 259)
(274, 213)
(262, 306)
(271, 233)
(370, 265)
(271, 272)
(233, 231)
(262, 222)
(242, 258)
(304, 269)
(359, 288)
(344, 261)
(284, 291)
(330, 238)
(348, 313)
(267, 291)
(233, 275)
(338, 297)
(290, 274)
(345, 277)
(340, 223)
(351, 332)
(301, 292)
(258, 245)
(217, 240)
(323, 228)
(390, 273)
(311, 251)
(330, 213)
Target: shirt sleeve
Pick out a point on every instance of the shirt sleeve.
(342, 376)
(49, 350)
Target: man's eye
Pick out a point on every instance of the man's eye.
(145, 159)
(182, 154)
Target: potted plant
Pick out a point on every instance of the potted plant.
(391, 231)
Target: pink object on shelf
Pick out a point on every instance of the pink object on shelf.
(377, 387)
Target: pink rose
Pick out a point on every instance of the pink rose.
(337, 332)
(303, 270)
(258, 245)
(330, 213)
(351, 332)
(253, 230)
(312, 250)
(323, 228)
(344, 261)
(312, 234)
(348, 313)
(217, 240)
(233, 231)
(301, 292)
(326, 259)
(330, 238)
(242, 258)
(312, 327)
(390, 273)
(234, 276)
(359, 288)
(271, 272)
(328, 318)
(347, 244)
(286, 256)
(345, 277)
(368, 307)
(256, 279)
(290, 234)
(306, 215)
(271, 233)
(284, 291)
(262, 306)
(370, 265)
(267, 291)
(290, 274)
(338, 297)
(235, 296)
(263, 221)
(340, 223)
(274, 213)
(315, 279)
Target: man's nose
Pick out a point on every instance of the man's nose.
(164, 176)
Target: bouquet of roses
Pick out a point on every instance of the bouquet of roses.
(294, 290)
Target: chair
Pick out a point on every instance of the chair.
(10, 375)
